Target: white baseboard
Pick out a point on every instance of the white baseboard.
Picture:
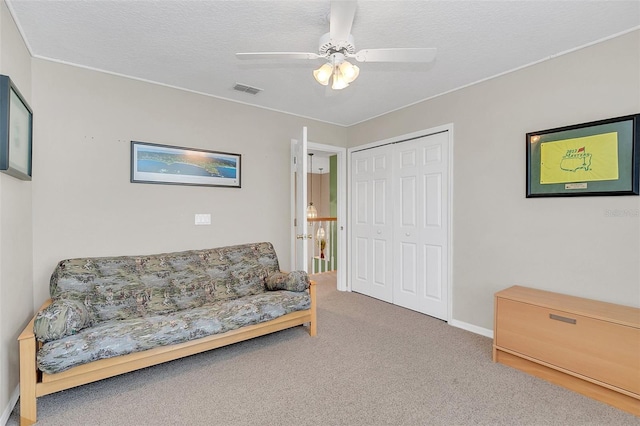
(12, 403)
(472, 328)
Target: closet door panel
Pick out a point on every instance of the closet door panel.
(433, 209)
(435, 230)
(361, 252)
(361, 173)
(433, 272)
(408, 200)
(408, 272)
(372, 223)
(406, 236)
(420, 185)
(380, 254)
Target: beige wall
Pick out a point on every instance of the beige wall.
(84, 204)
(500, 238)
(16, 290)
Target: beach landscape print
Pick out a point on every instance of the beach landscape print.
(153, 163)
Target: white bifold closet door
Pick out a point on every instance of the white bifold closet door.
(399, 223)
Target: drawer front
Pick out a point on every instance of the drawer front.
(601, 350)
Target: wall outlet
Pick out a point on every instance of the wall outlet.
(203, 219)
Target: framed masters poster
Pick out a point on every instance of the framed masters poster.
(596, 158)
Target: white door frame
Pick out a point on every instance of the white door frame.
(414, 135)
(342, 208)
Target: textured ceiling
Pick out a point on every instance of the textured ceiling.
(192, 44)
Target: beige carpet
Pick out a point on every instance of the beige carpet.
(372, 363)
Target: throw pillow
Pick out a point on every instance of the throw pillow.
(61, 318)
(292, 281)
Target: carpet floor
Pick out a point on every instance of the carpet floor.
(372, 363)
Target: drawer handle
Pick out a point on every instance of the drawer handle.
(563, 319)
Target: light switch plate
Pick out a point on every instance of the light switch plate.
(203, 219)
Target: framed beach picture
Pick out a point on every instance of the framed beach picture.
(166, 164)
(595, 158)
(16, 131)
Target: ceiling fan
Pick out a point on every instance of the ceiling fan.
(337, 46)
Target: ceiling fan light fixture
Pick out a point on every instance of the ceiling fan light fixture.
(339, 80)
(323, 74)
(349, 72)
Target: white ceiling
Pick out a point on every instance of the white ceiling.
(192, 44)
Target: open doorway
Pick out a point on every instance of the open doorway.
(324, 235)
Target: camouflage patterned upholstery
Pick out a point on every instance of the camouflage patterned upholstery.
(110, 306)
(293, 281)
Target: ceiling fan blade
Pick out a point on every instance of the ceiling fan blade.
(342, 13)
(278, 55)
(408, 54)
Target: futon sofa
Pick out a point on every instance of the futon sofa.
(112, 315)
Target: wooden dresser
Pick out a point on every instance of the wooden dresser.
(587, 346)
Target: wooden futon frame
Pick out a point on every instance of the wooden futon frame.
(34, 383)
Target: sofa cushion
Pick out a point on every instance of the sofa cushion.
(135, 286)
(248, 266)
(113, 338)
(293, 281)
(61, 318)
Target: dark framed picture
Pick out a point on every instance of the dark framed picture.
(16, 131)
(596, 158)
(153, 163)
